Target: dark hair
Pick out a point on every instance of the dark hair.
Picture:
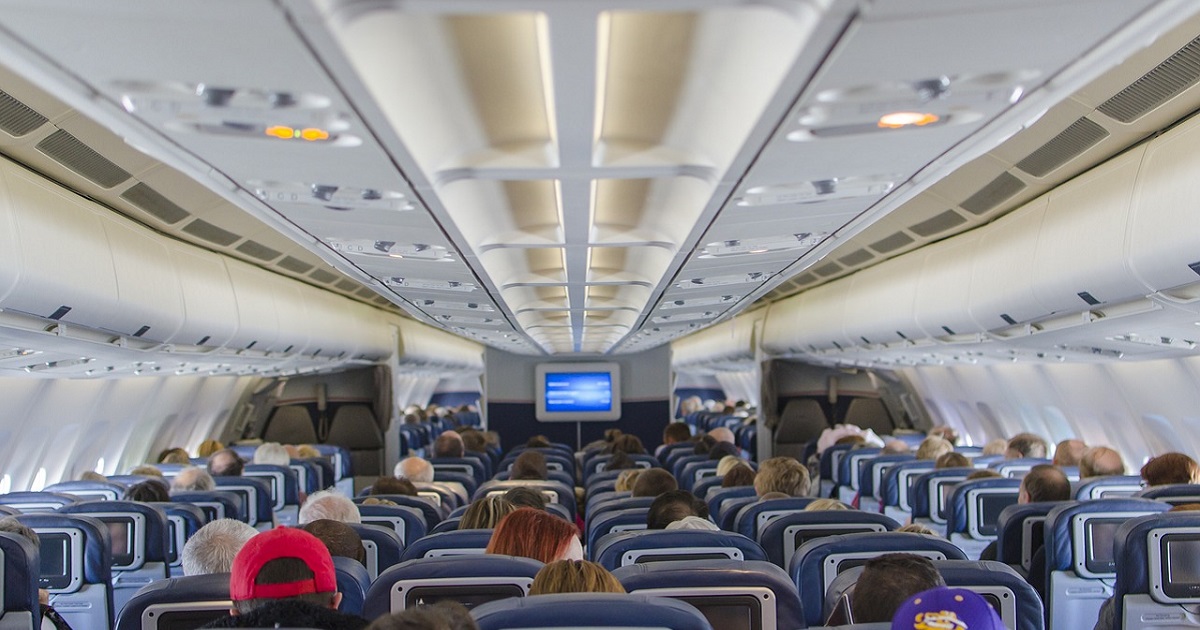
(448, 444)
(723, 449)
(538, 441)
(529, 465)
(473, 440)
(620, 460)
(627, 443)
(444, 615)
(1170, 468)
(740, 475)
(676, 432)
(232, 469)
(526, 497)
(704, 444)
(1045, 482)
(674, 506)
(283, 571)
(392, 485)
(952, 460)
(339, 538)
(654, 482)
(887, 581)
(1028, 445)
(147, 492)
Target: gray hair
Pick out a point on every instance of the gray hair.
(212, 549)
(331, 505)
(272, 453)
(415, 469)
(192, 479)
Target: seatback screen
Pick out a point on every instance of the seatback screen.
(467, 595)
(55, 550)
(1100, 535)
(1181, 565)
(728, 612)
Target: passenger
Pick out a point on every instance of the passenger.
(690, 405)
(331, 505)
(529, 465)
(208, 447)
(174, 455)
(272, 453)
(212, 548)
(722, 434)
(726, 464)
(91, 475)
(493, 439)
(193, 479)
(146, 470)
(654, 482)
(721, 450)
(703, 444)
(392, 485)
(946, 432)
(1024, 445)
(627, 443)
(147, 492)
(933, 447)
(948, 608)
(1069, 452)
(855, 440)
(339, 538)
(285, 578)
(1099, 462)
(916, 528)
(674, 506)
(983, 473)
(485, 512)
(825, 505)
(225, 463)
(538, 441)
(531, 533)
(1043, 483)
(444, 615)
(473, 440)
(674, 433)
(1170, 468)
(693, 522)
(895, 447)
(782, 474)
(952, 460)
(526, 497)
(995, 447)
(740, 475)
(574, 576)
(626, 480)
(50, 619)
(448, 444)
(414, 469)
(620, 460)
(307, 451)
(887, 581)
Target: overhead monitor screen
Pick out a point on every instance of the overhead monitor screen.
(578, 391)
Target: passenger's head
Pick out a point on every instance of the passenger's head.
(703, 444)
(887, 581)
(1101, 461)
(1044, 482)
(147, 492)
(339, 538)
(721, 450)
(727, 463)
(331, 505)
(946, 608)
(444, 615)
(952, 460)
(212, 548)
(307, 451)
(473, 440)
(414, 469)
(10, 525)
(272, 453)
(392, 485)
(284, 563)
(997, 446)
(1069, 452)
(91, 475)
(529, 465)
(193, 479)
(522, 496)
(738, 476)
(538, 441)
(983, 473)
(146, 470)
(448, 444)
(948, 433)
(782, 474)
(654, 482)
(485, 512)
(674, 506)
(1170, 468)
(1026, 445)
(933, 447)
(626, 479)
(627, 443)
(916, 528)
(574, 576)
(174, 456)
(825, 505)
(208, 447)
(895, 447)
(722, 434)
(225, 463)
(676, 432)
(531, 533)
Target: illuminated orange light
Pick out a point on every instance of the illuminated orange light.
(281, 132)
(312, 134)
(897, 120)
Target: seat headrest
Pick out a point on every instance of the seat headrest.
(1010, 528)
(20, 574)
(458, 539)
(97, 546)
(176, 590)
(612, 550)
(779, 550)
(1132, 553)
(155, 519)
(891, 479)
(866, 481)
(922, 504)
(746, 521)
(958, 510)
(1059, 550)
(589, 610)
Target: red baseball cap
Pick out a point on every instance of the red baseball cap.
(281, 542)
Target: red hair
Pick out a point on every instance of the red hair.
(533, 534)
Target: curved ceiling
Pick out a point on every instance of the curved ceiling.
(587, 176)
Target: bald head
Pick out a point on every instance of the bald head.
(1069, 452)
(414, 469)
(722, 434)
(449, 444)
(1101, 461)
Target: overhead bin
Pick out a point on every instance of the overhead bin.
(731, 341)
(884, 291)
(1001, 268)
(943, 282)
(425, 347)
(209, 303)
(1164, 242)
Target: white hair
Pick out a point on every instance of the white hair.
(331, 505)
(212, 548)
(193, 478)
(272, 453)
(414, 469)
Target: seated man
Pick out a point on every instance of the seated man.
(1043, 483)
(193, 479)
(449, 444)
(331, 505)
(414, 469)
(782, 474)
(225, 463)
(392, 485)
(887, 581)
(213, 547)
(339, 538)
(653, 483)
(285, 578)
(674, 506)
(1101, 461)
(1024, 445)
(1069, 453)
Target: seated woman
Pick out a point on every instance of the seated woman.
(574, 576)
(486, 512)
(531, 533)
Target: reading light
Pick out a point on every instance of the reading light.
(311, 134)
(896, 120)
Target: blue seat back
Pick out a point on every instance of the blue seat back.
(597, 498)
(215, 504)
(460, 542)
(339, 456)
(1020, 533)
(975, 506)
(468, 481)
(819, 561)
(619, 503)
(465, 465)
(352, 582)
(89, 490)
(753, 517)
(20, 583)
(660, 545)
(694, 582)
(1016, 468)
(431, 512)
(926, 493)
(554, 491)
(309, 477)
(1175, 493)
(851, 464)
(138, 534)
(183, 521)
(600, 462)
(258, 499)
(382, 547)
(717, 497)
(590, 610)
(36, 502)
(408, 522)
(1144, 587)
(1108, 487)
(76, 567)
(897, 481)
(470, 580)
(830, 463)
(627, 520)
(784, 534)
(871, 482)
(284, 490)
(167, 602)
(726, 517)
(554, 475)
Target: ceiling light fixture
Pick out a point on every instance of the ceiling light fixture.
(436, 285)
(716, 281)
(896, 120)
(740, 247)
(818, 191)
(390, 249)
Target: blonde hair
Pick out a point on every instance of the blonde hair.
(208, 447)
(933, 447)
(574, 576)
(307, 451)
(825, 504)
(626, 479)
(485, 512)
